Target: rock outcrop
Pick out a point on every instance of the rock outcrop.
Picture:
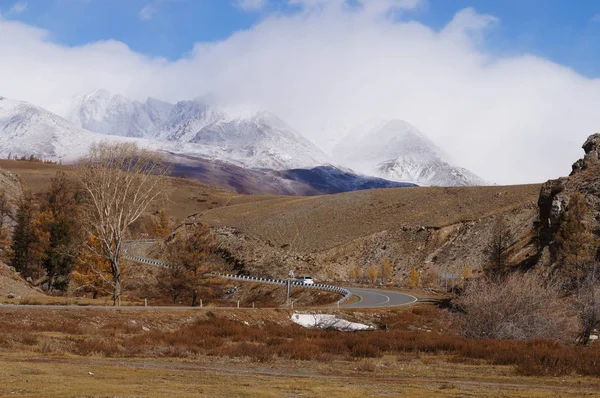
(11, 186)
(555, 194)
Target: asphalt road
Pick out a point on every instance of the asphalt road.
(376, 298)
(363, 298)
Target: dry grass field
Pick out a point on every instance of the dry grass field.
(322, 222)
(89, 352)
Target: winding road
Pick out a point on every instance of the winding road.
(361, 297)
(375, 298)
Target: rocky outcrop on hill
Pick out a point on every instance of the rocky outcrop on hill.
(555, 194)
(12, 188)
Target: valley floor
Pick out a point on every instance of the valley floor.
(95, 352)
(27, 375)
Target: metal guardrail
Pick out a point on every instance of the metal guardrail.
(144, 260)
(317, 286)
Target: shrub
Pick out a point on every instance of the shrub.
(366, 366)
(518, 307)
(365, 350)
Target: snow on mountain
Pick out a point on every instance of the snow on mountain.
(105, 113)
(397, 151)
(26, 129)
(198, 128)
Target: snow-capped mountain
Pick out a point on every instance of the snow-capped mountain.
(392, 150)
(397, 151)
(105, 113)
(26, 129)
(198, 128)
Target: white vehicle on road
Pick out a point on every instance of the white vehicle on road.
(305, 280)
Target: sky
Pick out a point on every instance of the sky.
(509, 89)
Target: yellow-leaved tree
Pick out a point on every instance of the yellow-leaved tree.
(414, 279)
(466, 273)
(386, 270)
(372, 274)
(92, 272)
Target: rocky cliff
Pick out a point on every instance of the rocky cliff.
(555, 194)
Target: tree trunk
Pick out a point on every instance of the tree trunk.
(585, 338)
(116, 271)
(194, 298)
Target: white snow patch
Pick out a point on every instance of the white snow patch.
(328, 321)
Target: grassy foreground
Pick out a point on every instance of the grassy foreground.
(22, 374)
(94, 352)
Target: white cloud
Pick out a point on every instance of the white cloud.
(147, 12)
(510, 119)
(251, 5)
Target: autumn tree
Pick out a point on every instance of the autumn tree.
(188, 255)
(28, 237)
(414, 279)
(386, 270)
(357, 273)
(91, 272)
(496, 250)
(162, 226)
(120, 181)
(372, 274)
(466, 273)
(60, 205)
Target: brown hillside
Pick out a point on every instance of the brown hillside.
(443, 228)
(323, 222)
(187, 196)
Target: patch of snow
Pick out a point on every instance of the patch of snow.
(328, 321)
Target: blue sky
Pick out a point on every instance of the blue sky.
(564, 31)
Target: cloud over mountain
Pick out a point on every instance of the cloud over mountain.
(332, 65)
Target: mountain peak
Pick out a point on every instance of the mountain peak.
(398, 151)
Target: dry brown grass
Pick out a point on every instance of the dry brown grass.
(110, 334)
(218, 353)
(319, 223)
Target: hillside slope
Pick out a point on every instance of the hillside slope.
(444, 228)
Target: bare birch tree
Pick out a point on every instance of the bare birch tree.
(120, 180)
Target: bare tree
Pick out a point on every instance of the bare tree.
(497, 250)
(588, 302)
(120, 181)
(521, 306)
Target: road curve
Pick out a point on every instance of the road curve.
(376, 298)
